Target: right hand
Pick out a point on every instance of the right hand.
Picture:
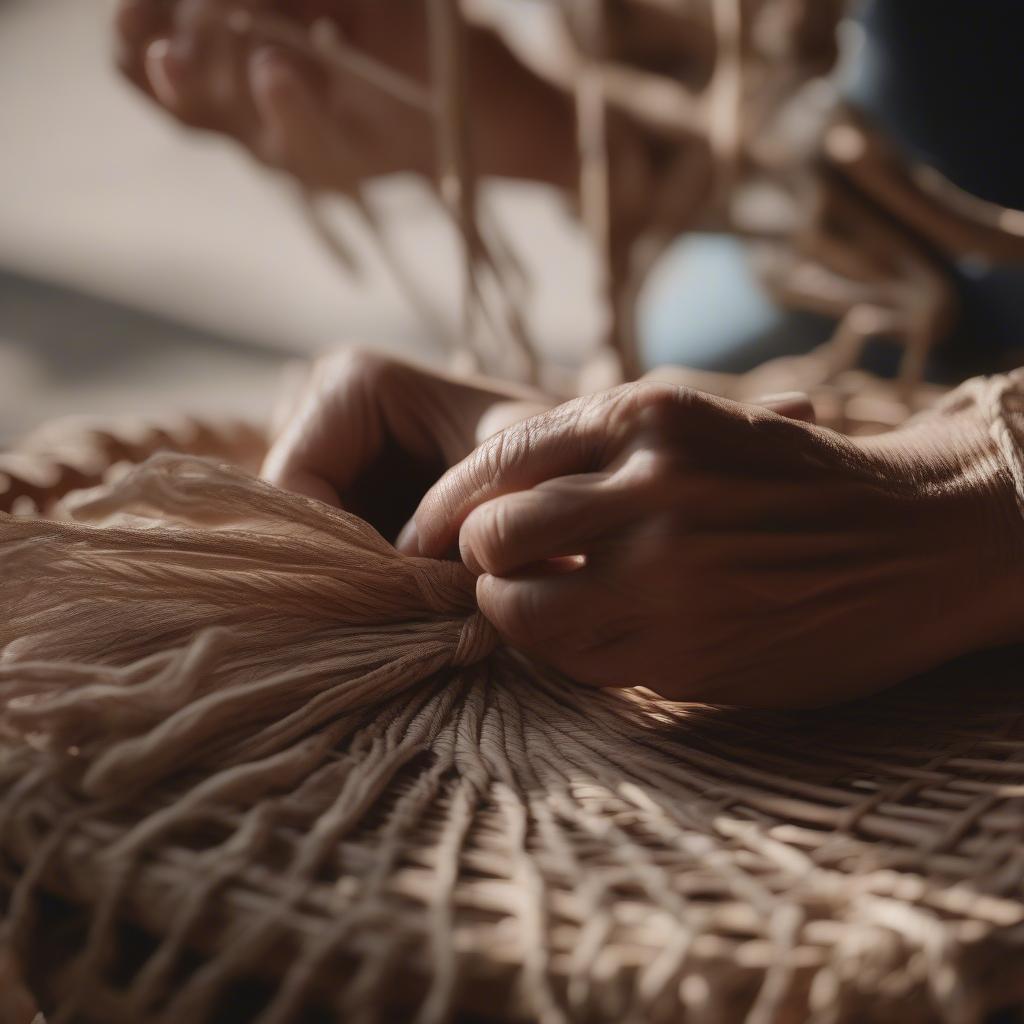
(372, 434)
(723, 553)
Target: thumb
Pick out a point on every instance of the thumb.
(333, 431)
(565, 440)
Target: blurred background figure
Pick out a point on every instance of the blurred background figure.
(143, 266)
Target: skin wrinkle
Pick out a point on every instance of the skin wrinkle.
(821, 518)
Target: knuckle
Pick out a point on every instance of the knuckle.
(353, 364)
(500, 453)
(658, 470)
(660, 485)
(650, 409)
(660, 408)
(657, 394)
(498, 526)
(492, 458)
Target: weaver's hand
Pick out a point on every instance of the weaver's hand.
(329, 127)
(271, 96)
(372, 434)
(730, 554)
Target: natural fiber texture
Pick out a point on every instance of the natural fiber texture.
(255, 763)
(1008, 427)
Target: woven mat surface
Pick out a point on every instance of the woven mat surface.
(498, 847)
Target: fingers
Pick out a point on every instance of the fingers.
(572, 620)
(557, 519)
(199, 74)
(267, 99)
(207, 62)
(166, 75)
(531, 612)
(374, 434)
(564, 441)
(209, 74)
(333, 432)
(295, 132)
(588, 434)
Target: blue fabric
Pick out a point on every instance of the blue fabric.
(703, 307)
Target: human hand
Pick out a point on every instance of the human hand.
(272, 96)
(372, 434)
(329, 128)
(729, 554)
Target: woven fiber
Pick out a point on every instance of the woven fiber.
(256, 765)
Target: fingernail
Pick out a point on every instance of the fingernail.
(408, 542)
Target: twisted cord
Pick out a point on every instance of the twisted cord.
(478, 639)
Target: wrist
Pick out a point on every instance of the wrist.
(951, 465)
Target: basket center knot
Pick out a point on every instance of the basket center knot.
(477, 640)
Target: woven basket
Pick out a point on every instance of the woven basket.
(496, 846)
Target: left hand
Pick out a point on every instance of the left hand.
(371, 434)
(729, 554)
(329, 128)
(275, 99)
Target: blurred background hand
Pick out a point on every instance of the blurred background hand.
(333, 129)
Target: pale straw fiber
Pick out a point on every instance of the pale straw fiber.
(256, 765)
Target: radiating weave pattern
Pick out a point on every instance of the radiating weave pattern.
(256, 765)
